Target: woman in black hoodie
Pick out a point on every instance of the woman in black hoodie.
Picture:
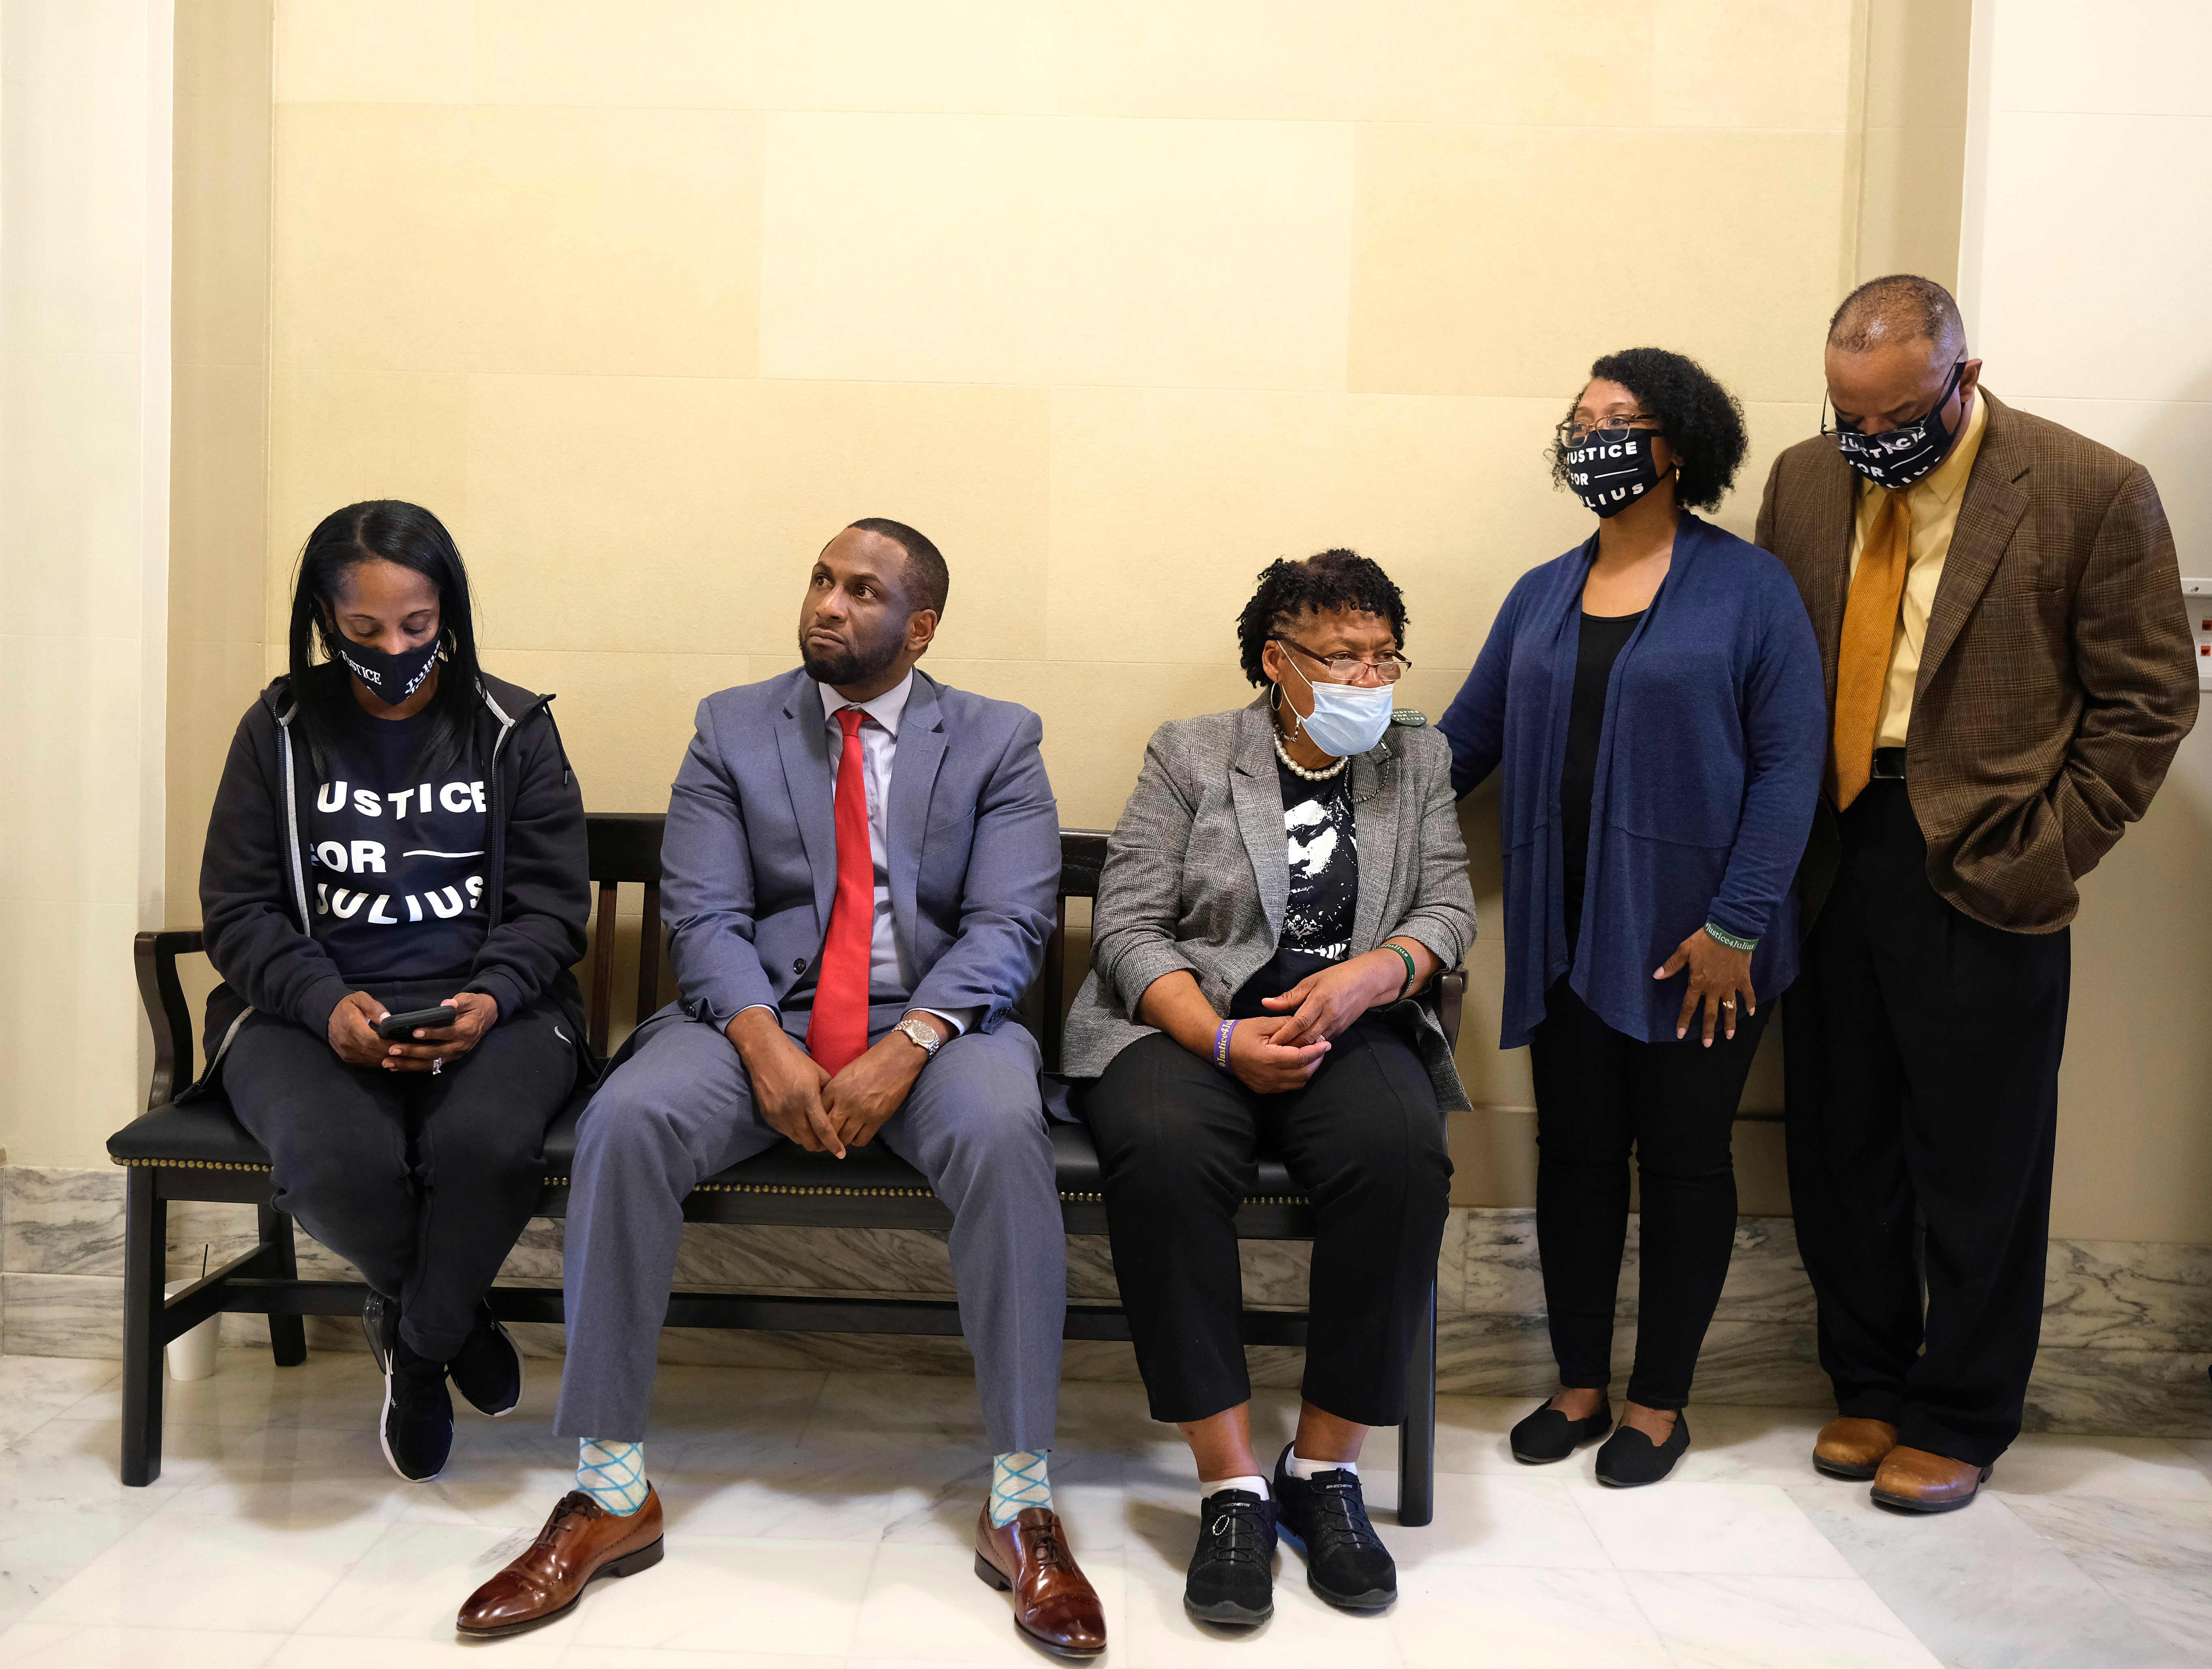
(396, 831)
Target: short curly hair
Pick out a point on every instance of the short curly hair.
(1701, 420)
(1333, 579)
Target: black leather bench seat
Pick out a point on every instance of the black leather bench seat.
(203, 1135)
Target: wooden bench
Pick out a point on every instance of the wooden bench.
(200, 1152)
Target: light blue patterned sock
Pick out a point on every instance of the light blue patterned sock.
(1017, 1482)
(612, 1474)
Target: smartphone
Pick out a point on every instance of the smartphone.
(400, 1028)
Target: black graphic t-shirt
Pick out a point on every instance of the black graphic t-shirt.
(397, 869)
(1322, 846)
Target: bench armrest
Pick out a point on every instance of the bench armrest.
(1451, 995)
(166, 1012)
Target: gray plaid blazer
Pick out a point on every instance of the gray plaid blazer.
(1197, 878)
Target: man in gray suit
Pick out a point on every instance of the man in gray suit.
(858, 879)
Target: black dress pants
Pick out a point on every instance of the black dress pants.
(1600, 1092)
(423, 1183)
(1922, 1073)
(1365, 1138)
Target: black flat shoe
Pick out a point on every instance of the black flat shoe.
(1547, 1434)
(1629, 1458)
(1325, 1517)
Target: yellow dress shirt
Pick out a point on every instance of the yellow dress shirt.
(1933, 503)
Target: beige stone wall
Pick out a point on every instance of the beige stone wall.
(84, 431)
(1119, 302)
(2085, 246)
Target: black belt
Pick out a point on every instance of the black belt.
(1888, 765)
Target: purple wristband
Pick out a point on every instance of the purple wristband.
(1221, 1043)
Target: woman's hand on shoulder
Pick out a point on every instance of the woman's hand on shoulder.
(474, 1014)
(352, 1029)
(1267, 1067)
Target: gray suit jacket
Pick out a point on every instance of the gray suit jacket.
(749, 860)
(1197, 876)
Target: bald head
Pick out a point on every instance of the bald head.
(1899, 309)
(1896, 353)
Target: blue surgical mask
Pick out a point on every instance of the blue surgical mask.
(1346, 718)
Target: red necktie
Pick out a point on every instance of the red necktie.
(837, 1032)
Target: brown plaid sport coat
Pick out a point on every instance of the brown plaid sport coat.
(2059, 671)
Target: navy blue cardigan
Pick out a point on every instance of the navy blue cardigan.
(1716, 732)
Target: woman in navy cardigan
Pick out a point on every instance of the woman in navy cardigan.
(1655, 699)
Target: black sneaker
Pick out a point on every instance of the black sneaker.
(1326, 1518)
(380, 1319)
(1232, 1573)
(417, 1427)
(488, 1368)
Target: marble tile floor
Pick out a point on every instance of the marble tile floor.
(822, 1519)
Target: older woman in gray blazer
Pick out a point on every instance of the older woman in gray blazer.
(1286, 880)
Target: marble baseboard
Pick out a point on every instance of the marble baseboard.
(2127, 1329)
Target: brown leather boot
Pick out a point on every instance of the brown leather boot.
(1054, 1603)
(1915, 1481)
(579, 1541)
(1851, 1447)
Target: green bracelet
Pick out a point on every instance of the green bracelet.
(1721, 935)
(1412, 972)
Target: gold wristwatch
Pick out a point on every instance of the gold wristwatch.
(921, 1032)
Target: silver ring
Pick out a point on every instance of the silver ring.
(437, 1065)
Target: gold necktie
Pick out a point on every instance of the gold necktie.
(1863, 656)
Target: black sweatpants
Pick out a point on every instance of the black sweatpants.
(1365, 1138)
(423, 1183)
(1600, 1092)
(1923, 1072)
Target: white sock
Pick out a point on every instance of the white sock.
(612, 1474)
(1257, 1486)
(1019, 1481)
(1298, 1466)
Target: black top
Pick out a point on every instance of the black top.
(1603, 638)
(1323, 849)
(397, 869)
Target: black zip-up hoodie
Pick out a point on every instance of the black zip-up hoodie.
(253, 882)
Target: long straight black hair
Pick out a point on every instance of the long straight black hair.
(390, 530)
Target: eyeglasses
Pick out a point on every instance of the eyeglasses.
(1389, 666)
(1573, 433)
(1832, 425)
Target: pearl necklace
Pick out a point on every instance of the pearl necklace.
(1297, 769)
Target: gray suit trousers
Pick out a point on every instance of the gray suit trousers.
(681, 1108)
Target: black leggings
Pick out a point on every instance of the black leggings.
(1365, 1138)
(1598, 1092)
(423, 1183)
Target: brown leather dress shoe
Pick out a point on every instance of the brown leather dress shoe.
(1915, 1481)
(1851, 1447)
(1054, 1603)
(579, 1541)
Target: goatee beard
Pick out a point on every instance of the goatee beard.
(844, 668)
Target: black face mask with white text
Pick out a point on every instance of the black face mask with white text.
(1897, 458)
(1611, 468)
(390, 678)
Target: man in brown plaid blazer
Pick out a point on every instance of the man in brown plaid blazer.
(2009, 669)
